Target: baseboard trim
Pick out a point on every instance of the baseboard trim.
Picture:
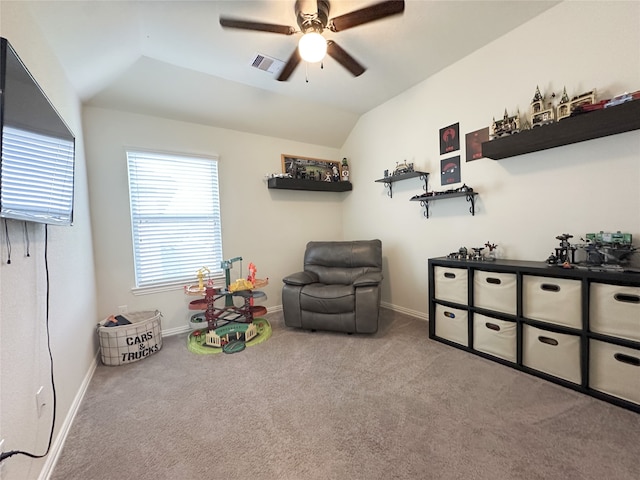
(413, 313)
(56, 447)
(175, 331)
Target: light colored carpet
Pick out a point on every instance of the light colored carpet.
(321, 405)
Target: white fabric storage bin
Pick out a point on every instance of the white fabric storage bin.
(451, 284)
(452, 324)
(132, 342)
(614, 310)
(614, 370)
(557, 354)
(495, 337)
(554, 300)
(495, 291)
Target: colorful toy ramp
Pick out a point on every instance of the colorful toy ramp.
(231, 337)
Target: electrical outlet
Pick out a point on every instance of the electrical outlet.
(123, 309)
(40, 402)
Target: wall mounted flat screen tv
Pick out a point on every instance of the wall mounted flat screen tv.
(37, 162)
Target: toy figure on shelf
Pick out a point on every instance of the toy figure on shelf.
(344, 171)
(335, 174)
(477, 253)
(492, 254)
(565, 254)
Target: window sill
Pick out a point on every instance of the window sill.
(218, 282)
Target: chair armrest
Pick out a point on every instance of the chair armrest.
(300, 278)
(368, 279)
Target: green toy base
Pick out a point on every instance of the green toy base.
(196, 344)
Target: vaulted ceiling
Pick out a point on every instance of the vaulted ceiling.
(173, 59)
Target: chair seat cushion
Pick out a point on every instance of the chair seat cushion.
(319, 297)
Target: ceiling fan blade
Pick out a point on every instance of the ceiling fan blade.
(366, 15)
(290, 66)
(257, 26)
(343, 58)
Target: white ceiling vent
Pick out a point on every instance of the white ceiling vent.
(267, 64)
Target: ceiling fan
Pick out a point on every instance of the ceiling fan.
(313, 46)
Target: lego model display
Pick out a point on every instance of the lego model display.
(464, 188)
(312, 169)
(477, 255)
(463, 191)
(602, 251)
(608, 249)
(401, 168)
(509, 125)
(565, 253)
(546, 110)
(541, 111)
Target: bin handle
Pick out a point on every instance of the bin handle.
(627, 298)
(550, 287)
(628, 359)
(548, 340)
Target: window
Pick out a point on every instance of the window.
(175, 217)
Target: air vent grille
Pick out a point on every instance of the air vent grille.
(267, 64)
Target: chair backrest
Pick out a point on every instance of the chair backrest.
(343, 262)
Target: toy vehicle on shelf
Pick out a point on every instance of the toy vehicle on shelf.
(622, 98)
(402, 168)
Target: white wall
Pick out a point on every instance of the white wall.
(267, 227)
(24, 360)
(524, 202)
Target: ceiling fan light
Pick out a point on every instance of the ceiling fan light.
(312, 47)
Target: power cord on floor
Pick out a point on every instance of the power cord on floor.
(11, 453)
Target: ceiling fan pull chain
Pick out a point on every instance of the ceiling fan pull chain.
(306, 72)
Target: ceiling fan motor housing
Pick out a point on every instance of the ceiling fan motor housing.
(313, 21)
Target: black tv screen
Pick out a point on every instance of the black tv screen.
(37, 162)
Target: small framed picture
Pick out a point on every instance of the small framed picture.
(306, 168)
(450, 138)
(450, 170)
(474, 141)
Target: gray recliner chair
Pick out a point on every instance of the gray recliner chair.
(339, 288)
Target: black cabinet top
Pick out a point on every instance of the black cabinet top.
(630, 276)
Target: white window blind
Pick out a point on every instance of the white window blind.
(175, 217)
(37, 177)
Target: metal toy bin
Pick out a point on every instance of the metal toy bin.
(124, 344)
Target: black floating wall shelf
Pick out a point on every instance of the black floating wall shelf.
(388, 181)
(310, 185)
(586, 126)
